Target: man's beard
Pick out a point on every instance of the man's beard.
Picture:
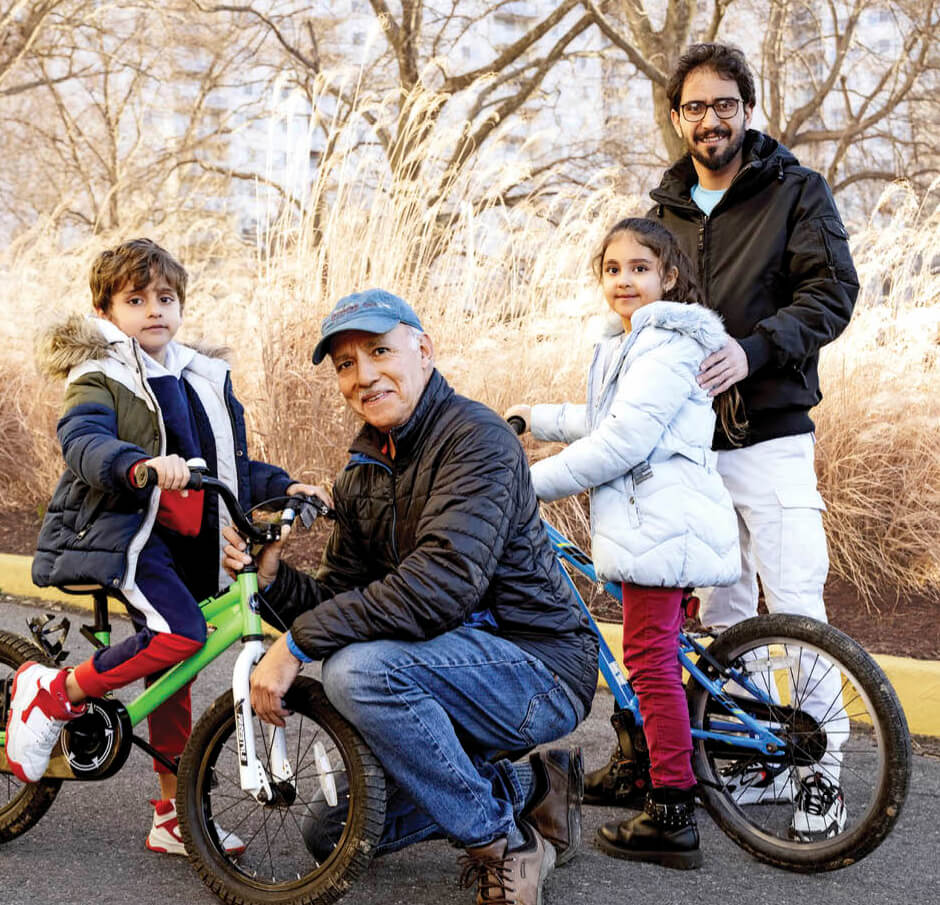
(720, 160)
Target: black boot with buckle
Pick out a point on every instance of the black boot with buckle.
(624, 780)
(664, 833)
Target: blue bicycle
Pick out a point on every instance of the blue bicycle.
(780, 703)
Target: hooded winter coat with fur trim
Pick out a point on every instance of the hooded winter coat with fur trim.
(660, 514)
(97, 522)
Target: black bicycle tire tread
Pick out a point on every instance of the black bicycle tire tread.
(370, 812)
(31, 804)
(865, 837)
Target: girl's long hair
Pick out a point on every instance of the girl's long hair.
(653, 235)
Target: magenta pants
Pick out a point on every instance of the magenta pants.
(652, 618)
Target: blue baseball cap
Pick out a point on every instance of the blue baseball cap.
(372, 311)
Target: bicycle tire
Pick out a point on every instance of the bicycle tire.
(276, 867)
(22, 804)
(860, 741)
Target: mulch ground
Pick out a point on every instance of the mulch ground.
(907, 626)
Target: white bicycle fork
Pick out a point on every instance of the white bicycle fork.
(254, 778)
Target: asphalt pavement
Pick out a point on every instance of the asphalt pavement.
(89, 848)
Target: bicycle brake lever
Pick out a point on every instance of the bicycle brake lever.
(313, 507)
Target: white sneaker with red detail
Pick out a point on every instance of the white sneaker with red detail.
(165, 836)
(39, 708)
(762, 786)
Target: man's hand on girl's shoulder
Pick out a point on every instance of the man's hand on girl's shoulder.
(723, 369)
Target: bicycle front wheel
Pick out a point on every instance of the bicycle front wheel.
(22, 804)
(307, 845)
(835, 789)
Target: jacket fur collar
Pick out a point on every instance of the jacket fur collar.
(79, 339)
(700, 323)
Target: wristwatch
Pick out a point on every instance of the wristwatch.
(140, 475)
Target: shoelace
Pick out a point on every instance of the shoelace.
(493, 876)
(816, 795)
(50, 733)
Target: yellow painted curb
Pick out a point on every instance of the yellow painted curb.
(916, 682)
(16, 579)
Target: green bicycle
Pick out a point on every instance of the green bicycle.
(234, 770)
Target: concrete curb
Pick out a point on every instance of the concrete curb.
(916, 682)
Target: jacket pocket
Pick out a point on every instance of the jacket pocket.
(802, 544)
(629, 496)
(835, 240)
(90, 510)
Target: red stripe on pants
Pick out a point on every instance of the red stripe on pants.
(164, 650)
(652, 618)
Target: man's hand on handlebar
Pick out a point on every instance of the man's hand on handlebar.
(235, 555)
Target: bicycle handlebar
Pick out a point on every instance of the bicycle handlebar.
(517, 424)
(266, 534)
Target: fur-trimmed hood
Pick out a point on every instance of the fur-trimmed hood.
(79, 339)
(696, 321)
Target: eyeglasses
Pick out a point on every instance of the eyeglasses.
(724, 107)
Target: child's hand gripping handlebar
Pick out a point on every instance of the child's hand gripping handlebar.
(309, 508)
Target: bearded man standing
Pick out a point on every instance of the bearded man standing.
(773, 259)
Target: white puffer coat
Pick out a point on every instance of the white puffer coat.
(660, 514)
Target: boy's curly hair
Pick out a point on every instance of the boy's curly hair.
(137, 261)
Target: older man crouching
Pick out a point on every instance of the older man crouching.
(446, 627)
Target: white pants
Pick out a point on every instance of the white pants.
(779, 508)
(773, 488)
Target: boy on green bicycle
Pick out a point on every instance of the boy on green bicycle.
(134, 398)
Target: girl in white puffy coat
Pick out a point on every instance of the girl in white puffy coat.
(661, 519)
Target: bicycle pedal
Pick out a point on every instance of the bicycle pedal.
(43, 632)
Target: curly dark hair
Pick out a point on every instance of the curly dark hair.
(136, 260)
(725, 59)
(653, 235)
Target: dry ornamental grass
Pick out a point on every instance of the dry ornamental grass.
(507, 295)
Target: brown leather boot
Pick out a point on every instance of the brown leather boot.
(555, 808)
(509, 877)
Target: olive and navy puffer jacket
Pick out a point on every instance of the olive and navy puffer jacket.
(97, 522)
(446, 532)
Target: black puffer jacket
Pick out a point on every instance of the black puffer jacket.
(447, 529)
(773, 258)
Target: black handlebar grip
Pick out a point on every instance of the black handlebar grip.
(517, 424)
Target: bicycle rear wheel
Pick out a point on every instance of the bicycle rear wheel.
(309, 844)
(21, 804)
(836, 789)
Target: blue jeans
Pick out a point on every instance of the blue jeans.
(433, 713)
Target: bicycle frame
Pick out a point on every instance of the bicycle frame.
(230, 616)
(759, 737)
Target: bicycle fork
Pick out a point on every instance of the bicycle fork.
(276, 784)
(254, 778)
